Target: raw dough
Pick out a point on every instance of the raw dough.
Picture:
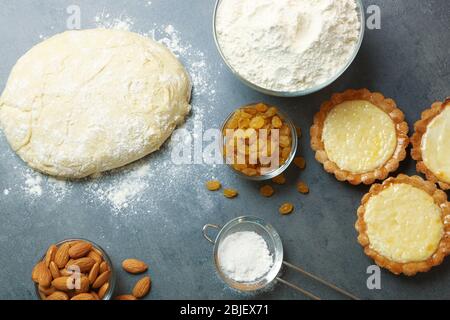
(83, 102)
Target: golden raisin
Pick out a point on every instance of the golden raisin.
(299, 131)
(257, 122)
(281, 179)
(302, 188)
(285, 141)
(213, 185)
(239, 167)
(251, 111)
(270, 112)
(276, 122)
(250, 133)
(300, 162)
(286, 208)
(244, 123)
(250, 172)
(261, 107)
(285, 153)
(245, 115)
(285, 131)
(230, 193)
(232, 123)
(267, 191)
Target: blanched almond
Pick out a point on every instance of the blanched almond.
(134, 266)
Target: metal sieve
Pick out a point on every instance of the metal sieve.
(275, 246)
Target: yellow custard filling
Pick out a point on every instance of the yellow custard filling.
(404, 223)
(358, 136)
(436, 146)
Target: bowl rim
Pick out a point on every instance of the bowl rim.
(267, 279)
(279, 170)
(360, 10)
(112, 281)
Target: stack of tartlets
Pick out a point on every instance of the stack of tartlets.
(361, 137)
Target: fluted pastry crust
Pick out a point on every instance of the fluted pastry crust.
(409, 268)
(420, 128)
(389, 107)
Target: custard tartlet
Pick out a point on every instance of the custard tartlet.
(359, 136)
(431, 144)
(403, 225)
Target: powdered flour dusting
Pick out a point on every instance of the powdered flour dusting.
(244, 256)
(33, 184)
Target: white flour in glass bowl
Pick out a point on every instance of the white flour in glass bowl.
(288, 45)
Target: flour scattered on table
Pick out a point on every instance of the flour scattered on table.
(33, 183)
(104, 20)
(58, 188)
(131, 183)
(37, 185)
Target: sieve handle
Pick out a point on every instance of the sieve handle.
(293, 286)
(205, 231)
(310, 275)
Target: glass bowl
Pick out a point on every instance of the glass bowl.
(274, 244)
(112, 279)
(276, 172)
(304, 92)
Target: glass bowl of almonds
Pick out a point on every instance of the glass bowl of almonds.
(259, 142)
(74, 269)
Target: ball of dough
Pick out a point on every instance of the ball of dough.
(83, 102)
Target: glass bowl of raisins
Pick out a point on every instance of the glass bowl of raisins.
(259, 142)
